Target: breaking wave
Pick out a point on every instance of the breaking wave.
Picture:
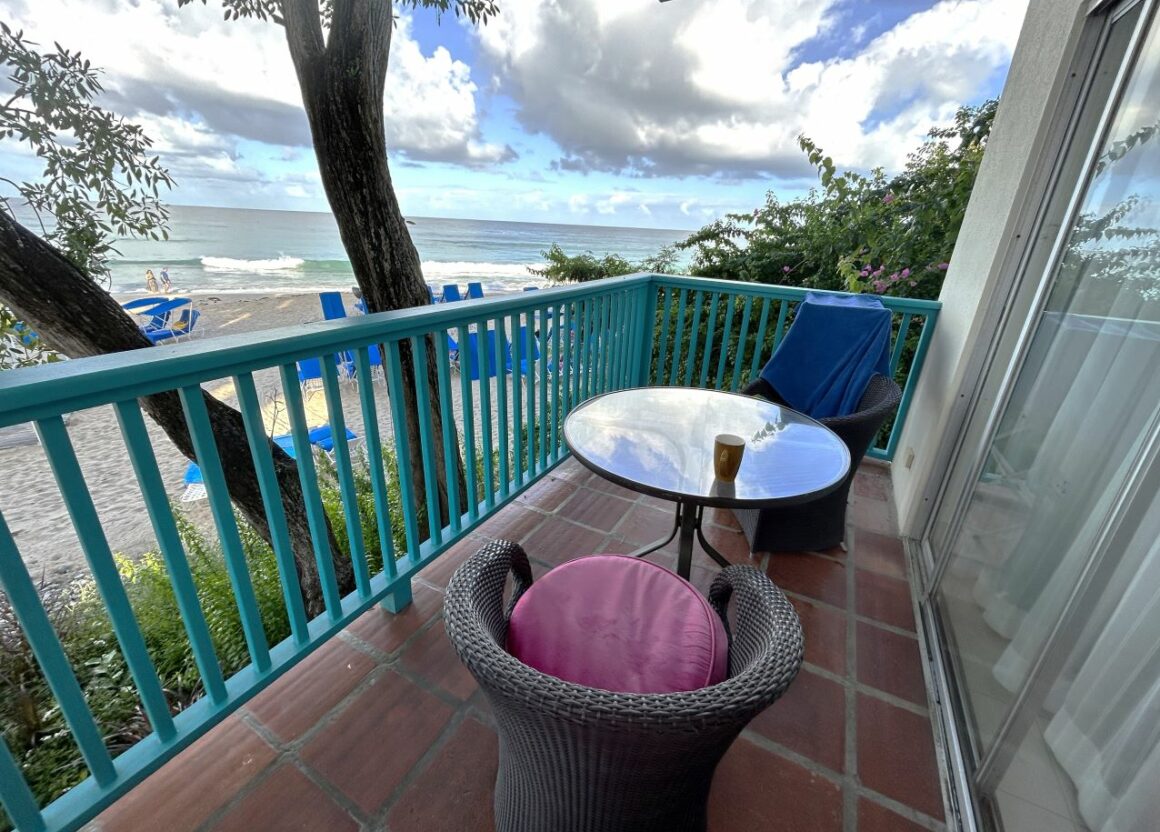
(230, 264)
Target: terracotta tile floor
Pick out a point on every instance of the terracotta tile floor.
(383, 729)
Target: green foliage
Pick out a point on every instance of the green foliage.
(857, 232)
(328, 487)
(19, 344)
(581, 268)
(30, 720)
(98, 179)
(476, 11)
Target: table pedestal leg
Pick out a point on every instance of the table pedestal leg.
(688, 524)
(649, 548)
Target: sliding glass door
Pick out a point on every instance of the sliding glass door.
(1047, 601)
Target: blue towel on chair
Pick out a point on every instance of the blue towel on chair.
(825, 361)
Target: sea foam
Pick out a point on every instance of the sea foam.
(230, 264)
(442, 270)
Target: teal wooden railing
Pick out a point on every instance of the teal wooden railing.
(563, 345)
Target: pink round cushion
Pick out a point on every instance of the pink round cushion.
(619, 623)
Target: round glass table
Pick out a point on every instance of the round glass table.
(659, 441)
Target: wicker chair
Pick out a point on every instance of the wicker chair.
(820, 524)
(579, 759)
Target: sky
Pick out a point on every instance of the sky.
(594, 112)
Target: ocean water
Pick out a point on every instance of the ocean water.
(245, 250)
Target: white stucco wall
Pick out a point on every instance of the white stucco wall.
(1009, 187)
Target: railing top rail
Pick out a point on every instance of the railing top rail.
(67, 386)
(711, 284)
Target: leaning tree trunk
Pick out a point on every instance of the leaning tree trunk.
(343, 79)
(77, 318)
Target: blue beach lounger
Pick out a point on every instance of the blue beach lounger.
(321, 437)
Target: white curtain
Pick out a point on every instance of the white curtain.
(1106, 729)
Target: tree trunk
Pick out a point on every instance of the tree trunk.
(77, 318)
(343, 81)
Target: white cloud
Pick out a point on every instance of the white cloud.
(720, 88)
(203, 82)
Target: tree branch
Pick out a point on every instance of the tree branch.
(304, 36)
(360, 33)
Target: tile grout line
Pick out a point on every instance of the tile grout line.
(461, 714)
(850, 780)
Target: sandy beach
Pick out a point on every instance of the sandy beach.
(31, 503)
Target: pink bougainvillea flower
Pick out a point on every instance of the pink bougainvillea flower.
(786, 269)
(906, 272)
(942, 267)
(879, 286)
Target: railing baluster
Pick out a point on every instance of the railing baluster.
(447, 428)
(528, 371)
(616, 340)
(517, 356)
(663, 350)
(585, 391)
(707, 350)
(17, 799)
(50, 655)
(91, 535)
(694, 332)
(501, 374)
(759, 344)
(592, 348)
(899, 343)
(726, 335)
(678, 339)
(739, 360)
(426, 441)
(144, 463)
(308, 479)
(572, 364)
(542, 435)
(468, 406)
(374, 449)
(345, 472)
(483, 345)
(575, 327)
(626, 303)
(608, 340)
(396, 398)
(558, 383)
(779, 330)
(924, 336)
(535, 438)
(549, 374)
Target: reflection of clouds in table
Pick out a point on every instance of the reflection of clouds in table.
(649, 451)
(662, 438)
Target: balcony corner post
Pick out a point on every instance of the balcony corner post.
(646, 309)
(399, 598)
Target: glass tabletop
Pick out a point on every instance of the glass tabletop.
(659, 440)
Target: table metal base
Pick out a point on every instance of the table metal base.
(688, 523)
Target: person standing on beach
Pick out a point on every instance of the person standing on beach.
(166, 285)
(150, 281)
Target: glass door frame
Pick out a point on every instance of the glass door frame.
(966, 460)
(974, 775)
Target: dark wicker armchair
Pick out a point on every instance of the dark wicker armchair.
(579, 759)
(820, 524)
